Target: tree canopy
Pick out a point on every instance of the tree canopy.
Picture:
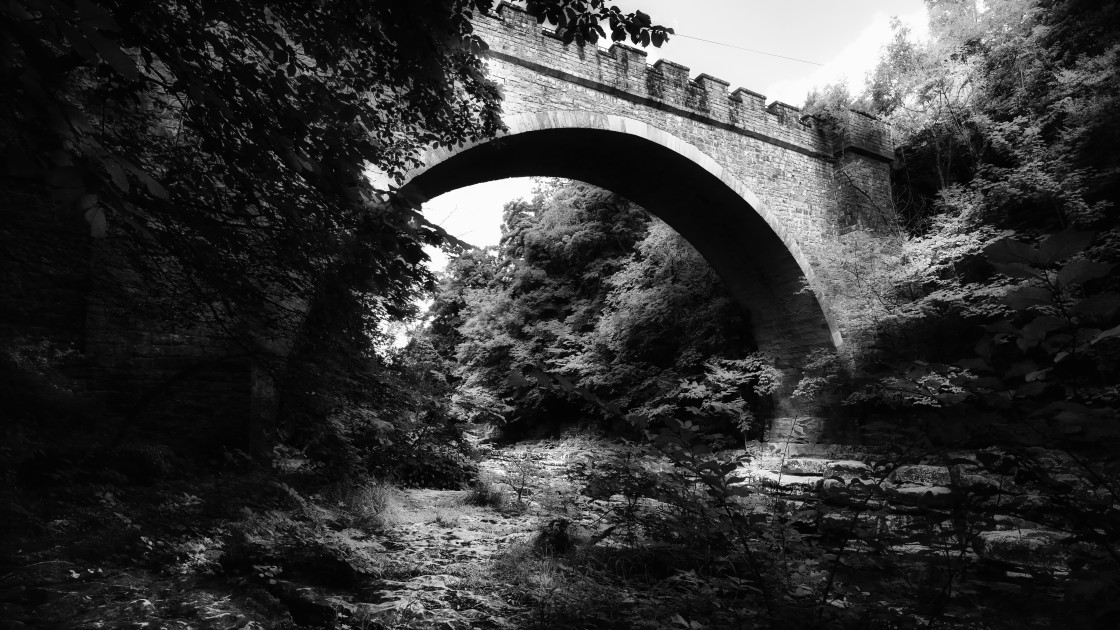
(224, 151)
(236, 137)
(590, 288)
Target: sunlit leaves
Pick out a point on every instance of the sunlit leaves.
(1001, 114)
(612, 307)
(234, 138)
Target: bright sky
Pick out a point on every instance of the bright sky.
(845, 37)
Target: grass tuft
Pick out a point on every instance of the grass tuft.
(373, 505)
(484, 492)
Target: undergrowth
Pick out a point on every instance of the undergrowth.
(485, 492)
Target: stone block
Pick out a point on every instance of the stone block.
(922, 474)
(674, 73)
(769, 478)
(785, 113)
(1037, 548)
(805, 466)
(847, 469)
(631, 61)
(922, 496)
(749, 98)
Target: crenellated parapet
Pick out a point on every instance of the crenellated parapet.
(763, 191)
(622, 71)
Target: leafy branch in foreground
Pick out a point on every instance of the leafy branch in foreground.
(235, 138)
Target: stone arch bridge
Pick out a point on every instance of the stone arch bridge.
(758, 190)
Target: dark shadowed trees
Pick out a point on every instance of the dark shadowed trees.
(226, 147)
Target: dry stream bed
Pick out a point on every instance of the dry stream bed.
(549, 549)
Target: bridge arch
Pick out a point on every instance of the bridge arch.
(748, 246)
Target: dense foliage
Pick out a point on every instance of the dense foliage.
(225, 150)
(224, 146)
(586, 285)
(998, 117)
(990, 321)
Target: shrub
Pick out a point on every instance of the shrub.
(271, 543)
(484, 492)
(555, 538)
(435, 466)
(520, 475)
(371, 506)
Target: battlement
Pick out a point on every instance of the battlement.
(515, 37)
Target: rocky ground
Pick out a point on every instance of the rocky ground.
(540, 541)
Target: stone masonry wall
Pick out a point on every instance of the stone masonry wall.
(819, 184)
(58, 285)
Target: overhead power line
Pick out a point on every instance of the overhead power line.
(760, 52)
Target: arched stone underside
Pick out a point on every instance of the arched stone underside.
(748, 246)
(762, 191)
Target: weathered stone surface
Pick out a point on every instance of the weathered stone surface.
(847, 469)
(776, 188)
(783, 479)
(922, 496)
(922, 474)
(820, 450)
(981, 483)
(796, 429)
(777, 192)
(1071, 481)
(805, 466)
(1028, 547)
(846, 521)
